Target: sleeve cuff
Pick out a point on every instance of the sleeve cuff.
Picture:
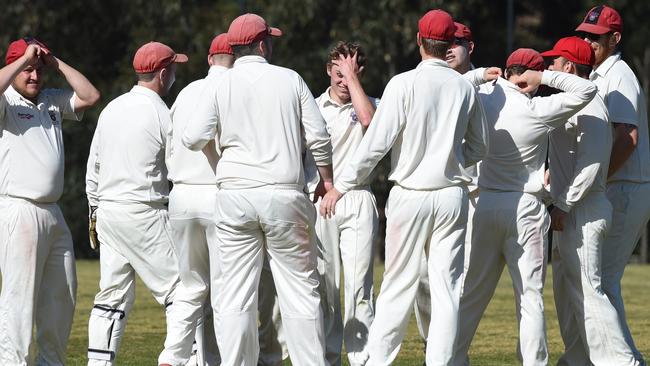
(547, 77)
(342, 187)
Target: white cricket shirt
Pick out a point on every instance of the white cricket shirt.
(424, 115)
(346, 132)
(127, 155)
(31, 144)
(264, 117)
(519, 128)
(579, 154)
(185, 166)
(625, 103)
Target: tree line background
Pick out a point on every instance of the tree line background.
(99, 38)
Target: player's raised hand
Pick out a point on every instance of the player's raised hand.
(33, 53)
(492, 73)
(328, 203)
(528, 82)
(348, 66)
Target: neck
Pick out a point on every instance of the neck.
(463, 68)
(151, 85)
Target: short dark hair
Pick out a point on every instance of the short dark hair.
(435, 48)
(515, 70)
(146, 77)
(583, 70)
(249, 49)
(345, 49)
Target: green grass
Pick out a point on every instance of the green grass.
(494, 344)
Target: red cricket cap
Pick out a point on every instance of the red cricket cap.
(17, 48)
(600, 20)
(437, 24)
(248, 28)
(526, 57)
(154, 56)
(573, 49)
(463, 31)
(220, 45)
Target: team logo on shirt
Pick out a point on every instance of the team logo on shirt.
(25, 115)
(52, 116)
(354, 117)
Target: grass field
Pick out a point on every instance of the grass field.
(494, 344)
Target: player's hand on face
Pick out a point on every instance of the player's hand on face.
(348, 66)
(557, 219)
(328, 203)
(528, 82)
(492, 73)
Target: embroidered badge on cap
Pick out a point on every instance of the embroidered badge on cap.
(594, 15)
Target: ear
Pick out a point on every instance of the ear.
(615, 38)
(419, 40)
(569, 67)
(262, 48)
(329, 69)
(163, 74)
(470, 47)
(210, 61)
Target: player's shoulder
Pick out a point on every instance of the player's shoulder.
(596, 108)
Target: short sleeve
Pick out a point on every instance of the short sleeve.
(623, 99)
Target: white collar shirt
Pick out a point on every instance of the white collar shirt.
(434, 123)
(519, 128)
(264, 117)
(579, 155)
(185, 166)
(626, 103)
(31, 143)
(344, 128)
(126, 163)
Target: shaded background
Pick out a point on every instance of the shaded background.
(99, 38)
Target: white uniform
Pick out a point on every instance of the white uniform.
(424, 115)
(265, 116)
(39, 282)
(127, 179)
(629, 188)
(422, 305)
(347, 239)
(191, 213)
(579, 157)
(510, 221)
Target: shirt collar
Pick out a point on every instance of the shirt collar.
(606, 65)
(14, 93)
(217, 69)
(327, 99)
(250, 59)
(432, 62)
(148, 92)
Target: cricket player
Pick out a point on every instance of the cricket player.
(127, 189)
(510, 222)
(192, 202)
(347, 239)
(424, 116)
(628, 184)
(578, 160)
(265, 116)
(39, 281)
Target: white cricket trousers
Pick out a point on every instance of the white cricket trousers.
(631, 203)
(136, 238)
(276, 222)
(39, 282)
(422, 305)
(191, 215)
(347, 240)
(415, 220)
(509, 228)
(273, 346)
(588, 321)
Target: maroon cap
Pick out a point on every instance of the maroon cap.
(248, 28)
(600, 20)
(526, 57)
(17, 48)
(437, 24)
(573, 49)
(462, 31)
(154, 56)
(220, 45)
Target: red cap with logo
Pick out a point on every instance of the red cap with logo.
(248, 28)
(462, 31)
(573, 49)
(437, 24)
(220, 46)
(600, 20)
(154, 56)
(17, 48)
(526, 57)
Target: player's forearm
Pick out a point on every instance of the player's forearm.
(86, 93)
(362, 105)
(9, 72)
(326, 173)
